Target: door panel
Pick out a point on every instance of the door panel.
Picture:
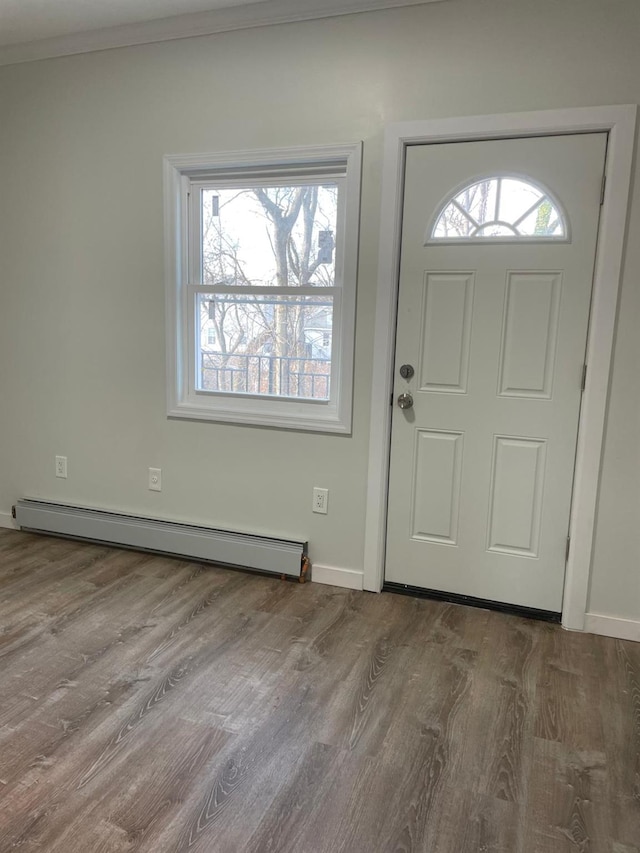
(482, 465)
(515, 497)
(446, 332)
(436, 498)
(529, 336)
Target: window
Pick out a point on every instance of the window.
(261, 277)
(500, 208)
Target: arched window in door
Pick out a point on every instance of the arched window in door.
(501, 208)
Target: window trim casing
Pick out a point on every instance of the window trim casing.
(182, 400)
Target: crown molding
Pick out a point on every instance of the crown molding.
(261, 14)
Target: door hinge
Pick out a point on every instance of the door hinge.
(584, 377)
(566, 553)
(603, 188)
(391, 399)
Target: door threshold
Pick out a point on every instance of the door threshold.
(470, 601)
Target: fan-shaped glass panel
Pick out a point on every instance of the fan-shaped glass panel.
(500, 208)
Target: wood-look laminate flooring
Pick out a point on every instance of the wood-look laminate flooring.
(149, 704)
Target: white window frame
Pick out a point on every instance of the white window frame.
(337, 163)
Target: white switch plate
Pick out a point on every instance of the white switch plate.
(61, 467)
(155, 479)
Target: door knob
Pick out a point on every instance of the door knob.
(407, 371)
(405, 401)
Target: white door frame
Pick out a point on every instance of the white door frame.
(620, 123)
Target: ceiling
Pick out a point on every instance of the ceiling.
(37, 29)
(31, 20)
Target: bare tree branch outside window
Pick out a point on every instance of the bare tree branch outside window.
(277, 239)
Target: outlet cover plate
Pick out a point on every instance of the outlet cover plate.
(320, 501)
(61, 467)
(155, 479)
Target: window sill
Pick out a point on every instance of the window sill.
(325, 421)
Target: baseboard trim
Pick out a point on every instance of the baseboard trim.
(612, 626)
(346, 578)
(6, 520)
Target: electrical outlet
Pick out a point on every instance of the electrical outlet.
(155, 479)
(320, 500)
(61, 467)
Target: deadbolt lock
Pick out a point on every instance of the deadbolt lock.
(407, 371)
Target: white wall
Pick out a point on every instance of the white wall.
(81, 144)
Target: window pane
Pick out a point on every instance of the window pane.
(499, 207)
(480, 201)
(516, 198)
(543, 221)
(496, 229)
(453, 222)
(277, 346)
(265, 236)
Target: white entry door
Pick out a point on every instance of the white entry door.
(497, 260)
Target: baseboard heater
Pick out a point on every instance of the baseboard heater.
(284, 557)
